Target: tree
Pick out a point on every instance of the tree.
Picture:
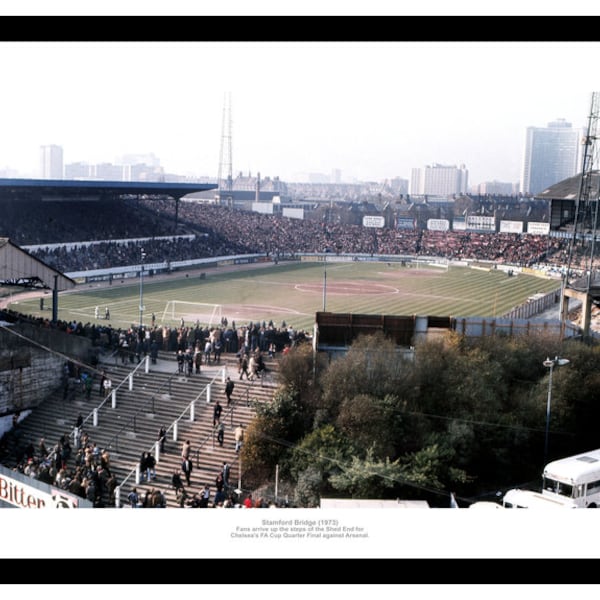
(367, 477)
(465, 414)
(372, 366)
(370, 422)
(276, 428)
(308, 489)
(432, 468)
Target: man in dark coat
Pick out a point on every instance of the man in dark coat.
(229, 389)
(187, 467)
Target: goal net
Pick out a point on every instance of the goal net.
(191, 313)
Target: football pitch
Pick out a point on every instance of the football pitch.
(293, 293)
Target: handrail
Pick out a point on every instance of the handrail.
(150, 401)
(213, 431)
(176, 420)
(109, 395)
(211, 434)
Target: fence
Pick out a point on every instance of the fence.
(535, 305)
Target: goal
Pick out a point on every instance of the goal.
(192, 312)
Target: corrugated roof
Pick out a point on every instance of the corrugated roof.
(569, 189)
(68, 187)
(17, 265)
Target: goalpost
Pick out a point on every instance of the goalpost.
(192, 312)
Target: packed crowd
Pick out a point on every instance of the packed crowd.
(28, 222)
(82, 469)
(224, 231)
(135, 342)
(102, 255)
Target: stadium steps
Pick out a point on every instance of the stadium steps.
(126, 442)
(207, 455)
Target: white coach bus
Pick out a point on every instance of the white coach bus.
(575, 479)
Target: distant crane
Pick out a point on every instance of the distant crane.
(582, 242)
(225, 174)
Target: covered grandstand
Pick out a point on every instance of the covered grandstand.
(20, 193)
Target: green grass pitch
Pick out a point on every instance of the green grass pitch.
(294, 292)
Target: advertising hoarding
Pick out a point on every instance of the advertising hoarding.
(511, 226)
(405, 223)
(481, 223)
(373, 221)
(17, 493)
(438, 224)
(538, 228)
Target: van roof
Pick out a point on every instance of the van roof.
(573, 467)
(531, 499)
(485, 504)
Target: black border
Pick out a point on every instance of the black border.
(432, 28)
(228, 571)
(292, 571)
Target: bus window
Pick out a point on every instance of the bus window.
(557, 487)
(593, 487)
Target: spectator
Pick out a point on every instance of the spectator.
(239, 437)
(150, 467)
(186, 450)
(229, 385)
(187, 468)
(134, 498)
(218, 409)
(162, 436)
(220, 433)
(177, 483)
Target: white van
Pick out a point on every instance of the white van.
(574, 479)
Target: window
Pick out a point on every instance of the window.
(593, 487)
(557, 487)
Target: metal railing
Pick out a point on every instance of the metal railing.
(93, 415)
(221, 374)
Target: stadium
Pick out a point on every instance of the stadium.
(110, 282)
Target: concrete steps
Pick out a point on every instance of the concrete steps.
(158, 398)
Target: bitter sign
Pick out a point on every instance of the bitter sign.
(22, 495)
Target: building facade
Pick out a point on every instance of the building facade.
(496, 188)
(439, 180)
(51, 162)
(551, 154)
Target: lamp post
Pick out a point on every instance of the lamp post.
(550, 364)
(324, 282)
(143, 256)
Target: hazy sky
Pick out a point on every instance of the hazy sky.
(374, 110)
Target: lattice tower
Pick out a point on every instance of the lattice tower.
(225, 175)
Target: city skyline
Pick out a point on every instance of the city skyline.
(373, 110)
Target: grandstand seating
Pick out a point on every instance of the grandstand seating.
(223, 231)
